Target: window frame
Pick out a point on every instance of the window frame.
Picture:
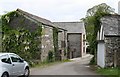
(14, 55)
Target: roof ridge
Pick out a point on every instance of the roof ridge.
(19, 10)
(38, 19)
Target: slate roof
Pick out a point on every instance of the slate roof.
(111, 25)
(72, 27)
(38, 19)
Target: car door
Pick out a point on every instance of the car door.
(6, 64)
(18, 64)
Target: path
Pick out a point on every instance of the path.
(78, 66)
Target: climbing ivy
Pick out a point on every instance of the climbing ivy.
(20, 41)
(50, 57)
(93, 25)
(0, 34)
(55, 42)
(23, 42)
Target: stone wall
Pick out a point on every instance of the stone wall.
(112, 51)
(61, 44)
(111, 31)
(47, 42)
(22, 21)
(31, 23)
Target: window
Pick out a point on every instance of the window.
(5, 59)
(15, 58)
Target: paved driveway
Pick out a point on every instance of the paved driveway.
(78, 66)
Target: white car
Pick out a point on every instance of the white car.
(13, 65)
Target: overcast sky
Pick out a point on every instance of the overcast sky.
(55, 10)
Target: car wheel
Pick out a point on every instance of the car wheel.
(5, 75)
(27, 72)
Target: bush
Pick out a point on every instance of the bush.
(50, 56)
(93, 61)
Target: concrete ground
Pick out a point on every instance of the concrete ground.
(78, 66)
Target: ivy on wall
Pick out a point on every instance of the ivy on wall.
(55, 42)
(20, 41)
(23, 42)
(50, 57)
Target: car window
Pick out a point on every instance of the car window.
(15, 58)
(5, 59)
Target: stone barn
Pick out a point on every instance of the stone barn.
(31, 22)
(75, 38)
(108, 51)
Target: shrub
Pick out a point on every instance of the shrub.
(50, 56)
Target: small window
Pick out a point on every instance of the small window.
(14, 59)
(5, 59)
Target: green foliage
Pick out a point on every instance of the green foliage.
(0, 34)
(65, 52)
(109, 72)
(101, 8)
(50, 56)
(93, 61)
(55, 42)
(93, 24)
(20, 41)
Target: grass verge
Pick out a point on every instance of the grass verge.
(46, 64)
(109, 72)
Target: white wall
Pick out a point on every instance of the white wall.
(101, 54)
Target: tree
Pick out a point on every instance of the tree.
(93, 24)
(101, 8)
(0, 34)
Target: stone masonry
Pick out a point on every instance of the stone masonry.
(31, 22)
(112, 51)
(111, 28)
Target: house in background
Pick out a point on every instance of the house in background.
(31, 22)
(76, 37)
(108, 51)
